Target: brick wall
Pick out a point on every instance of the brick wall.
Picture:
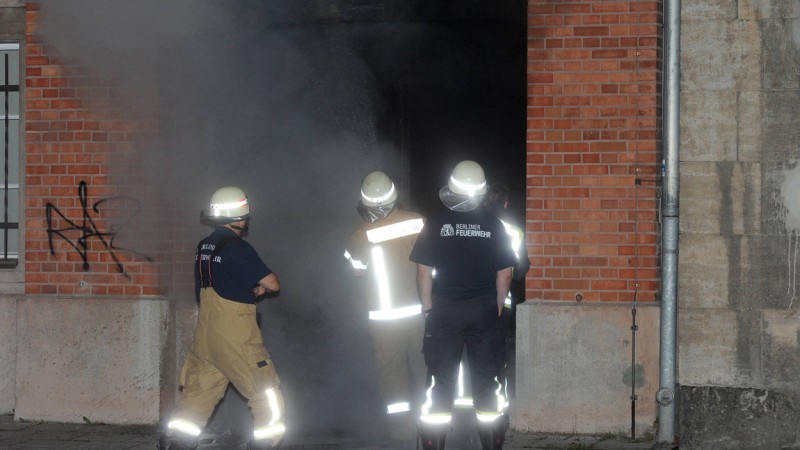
(80, 153)
(593, 157)
(593, 161)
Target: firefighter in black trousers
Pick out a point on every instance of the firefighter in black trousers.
(471, 254)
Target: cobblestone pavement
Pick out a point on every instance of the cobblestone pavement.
(46, 435)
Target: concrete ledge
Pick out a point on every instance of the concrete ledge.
(574, 371)
(8, 349)
(96, 358)
(732, 418)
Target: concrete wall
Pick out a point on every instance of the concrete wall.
(101, 359)
(8, 347)
(738, 330)
(575, 371)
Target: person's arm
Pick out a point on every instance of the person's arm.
(503, 284)
(425, 286)
(358, 266)
(269, 283)
(356, 252)
(523, 264)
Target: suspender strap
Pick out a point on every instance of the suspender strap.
(206, 281)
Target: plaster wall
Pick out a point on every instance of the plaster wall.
(574, 367)
(738, 327)
(8, 346)
(96, 359)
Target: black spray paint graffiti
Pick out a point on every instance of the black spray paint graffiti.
(88, 229)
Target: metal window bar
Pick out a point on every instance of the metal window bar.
(7, 259)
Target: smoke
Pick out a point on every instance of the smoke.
(287, 112)
(295, 111)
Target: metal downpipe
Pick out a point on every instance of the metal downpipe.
(670, 226)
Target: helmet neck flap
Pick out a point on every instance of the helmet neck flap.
(459, 202)
(373, 214)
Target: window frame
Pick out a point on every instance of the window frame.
(12, 274)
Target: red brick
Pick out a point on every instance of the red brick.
(32, 60)
(591, 31)
(66, 104)
(572, 8)
(607, 70)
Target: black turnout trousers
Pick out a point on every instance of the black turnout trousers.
(452, 325)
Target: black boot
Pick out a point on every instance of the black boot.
(432, 437)
(264, 444)
(176, 443)
(493, 434)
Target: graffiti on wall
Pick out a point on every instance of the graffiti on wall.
(78, 234)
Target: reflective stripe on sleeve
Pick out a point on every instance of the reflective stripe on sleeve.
(358, 265)
(516, 236)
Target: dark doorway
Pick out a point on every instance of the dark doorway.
(453, 80)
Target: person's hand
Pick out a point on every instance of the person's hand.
(259, 291)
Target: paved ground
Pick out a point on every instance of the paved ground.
(38, 435)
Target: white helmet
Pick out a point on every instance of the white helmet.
(228, 204)
(377, 189)
(467, 179)
(466, 187)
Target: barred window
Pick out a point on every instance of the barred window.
(9, 175)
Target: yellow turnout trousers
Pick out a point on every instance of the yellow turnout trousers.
(397, 345)
(228, 348)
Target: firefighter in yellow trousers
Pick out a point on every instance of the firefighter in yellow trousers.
(228, 347)
(379, 250)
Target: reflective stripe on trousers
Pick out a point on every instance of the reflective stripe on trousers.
(452, 326)
(397, 346)
(228, 348)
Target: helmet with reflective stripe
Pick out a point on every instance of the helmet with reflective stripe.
(377, 189)
(466, 187)
(467, 179)
(228, 204)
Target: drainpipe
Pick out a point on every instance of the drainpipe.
(670, 225)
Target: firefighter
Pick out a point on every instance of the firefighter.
(495, 202)
(470, 252)
(228, 347)
(379, 251)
